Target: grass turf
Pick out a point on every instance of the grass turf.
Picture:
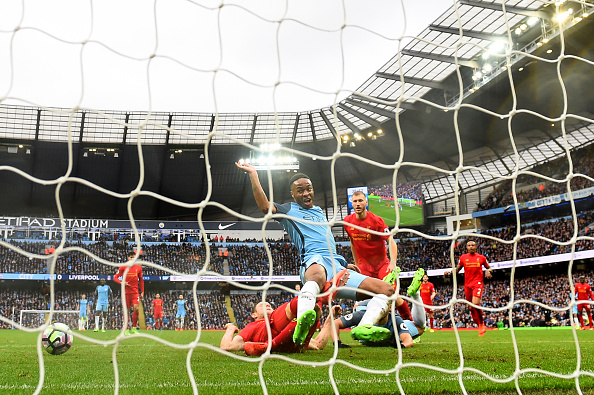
(147, 366)
(408, 215)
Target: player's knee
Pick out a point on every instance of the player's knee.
(318, 278)
(386, 289)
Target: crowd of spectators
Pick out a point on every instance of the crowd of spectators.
(552, 290)
(176, 257)
(529, 187)
(243, 259)
(213, 313)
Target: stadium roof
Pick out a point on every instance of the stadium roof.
(416, 96)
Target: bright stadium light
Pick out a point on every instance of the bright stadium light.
(269, 159)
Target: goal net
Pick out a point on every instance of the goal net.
(39, 318)
(478, 102)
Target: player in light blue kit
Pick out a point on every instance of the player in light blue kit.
(103, 295)
(181, 313)
(319, 261)
(83, 312)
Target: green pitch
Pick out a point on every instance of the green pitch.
(408, 215)
(147, 366)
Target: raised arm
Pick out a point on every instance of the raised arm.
(259, 195)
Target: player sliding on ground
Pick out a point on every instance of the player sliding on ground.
(401, 330)
(319, 260)
(253, 339)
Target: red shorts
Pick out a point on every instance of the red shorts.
(475, 290)
(158, 315)
(428, 303)
(585, 306)
(132, 300)
(278, 319)
(375, 272)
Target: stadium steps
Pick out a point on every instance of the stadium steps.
(229, 308)
(226, 271)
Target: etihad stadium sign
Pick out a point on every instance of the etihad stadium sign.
(94, 223)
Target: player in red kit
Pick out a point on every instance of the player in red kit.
(133, 283)
(158, 312)
(583, 292)
(428, 293)
(473, 263)
(253, 339)
(369, 250)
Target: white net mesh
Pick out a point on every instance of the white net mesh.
(190, 73)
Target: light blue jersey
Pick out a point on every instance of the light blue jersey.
(316, 244)
(310, 239)
(181, 308)
(102, 294)
(83, 308)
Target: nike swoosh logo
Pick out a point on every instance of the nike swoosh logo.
(222, 227)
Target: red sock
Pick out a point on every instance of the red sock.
(581, 318)
(590, 318)
(404, 311)
(135, 319)
(293, 306)
(475, 316)
(285, 337)
(431, 322)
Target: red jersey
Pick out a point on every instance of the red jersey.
(256, 332)
(473, 268)
(370, 248)
(426, 291)
(134, 279)
(158, 306)
(583, 291)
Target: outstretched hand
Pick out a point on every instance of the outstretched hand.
(245, 167)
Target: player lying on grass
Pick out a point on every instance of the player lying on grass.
(253, 339)
(310, 231)
(403, 330)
